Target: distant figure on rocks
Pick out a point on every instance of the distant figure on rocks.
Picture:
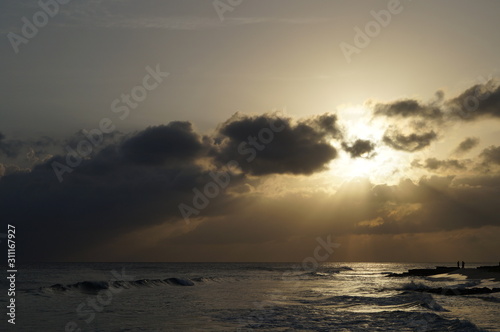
(458, 264)
(463, 265)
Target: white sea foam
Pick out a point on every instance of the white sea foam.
(228, 297)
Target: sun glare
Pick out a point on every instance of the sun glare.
(383, 165)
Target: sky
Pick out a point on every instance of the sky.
(244, 130)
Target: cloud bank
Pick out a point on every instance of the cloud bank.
(132, 186)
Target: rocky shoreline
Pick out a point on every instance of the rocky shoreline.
(482, 272)
(446, 269)
(459, 291)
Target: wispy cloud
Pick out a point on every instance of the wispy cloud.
(98, 13)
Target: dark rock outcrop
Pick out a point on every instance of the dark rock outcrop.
(459, 291)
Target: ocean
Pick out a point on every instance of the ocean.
(243, 297)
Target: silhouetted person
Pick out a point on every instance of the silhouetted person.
(463, 265)
(458, 264)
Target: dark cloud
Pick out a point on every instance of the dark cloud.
(436, 204)
(122, 188)
(294, 148)
(135, 184)
(27, 152)
(491, 155)
(360, 148)
(408, 108)
(99, 142)
(439, 95)
(429, 205)
(24, 154)
(10, 148)
(163, 144)
(486, 182)
(478, 101)
(326, 124)
(7, 169)
(434, 164)
(139, 181)
(43, 142)
(475, 102)
(410, 143)
(466, 145)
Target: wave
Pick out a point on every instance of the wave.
(415, 286)
(313, 318)
(460, 289)
(406, 300)
(93, 287)
(212, 279)
(421, 286)
(327, 272)
(310, 275)
(336, 269)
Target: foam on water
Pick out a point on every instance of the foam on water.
(91, 287)
(231, 297)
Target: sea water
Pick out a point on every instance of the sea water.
(243, 297)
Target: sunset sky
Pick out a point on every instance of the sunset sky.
(117, 116)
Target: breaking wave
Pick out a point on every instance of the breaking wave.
(405, 300)
(93, 287)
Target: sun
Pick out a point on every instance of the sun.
(382, 165)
